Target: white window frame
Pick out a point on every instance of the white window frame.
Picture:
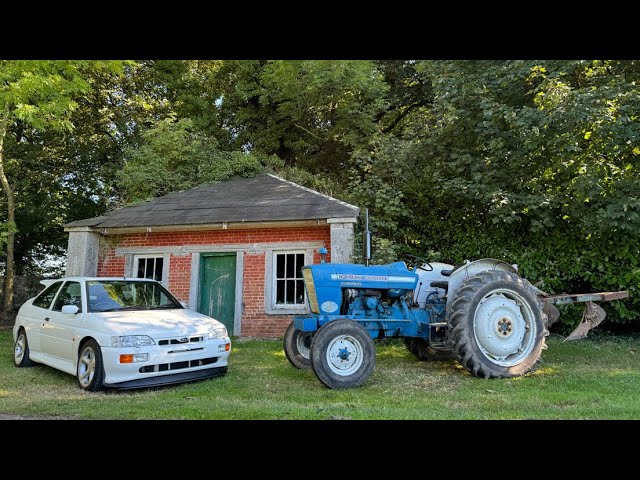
(165, 265)
(271, 307)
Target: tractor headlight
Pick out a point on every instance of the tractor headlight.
(217, 332)
(129, 341)
(311, 289)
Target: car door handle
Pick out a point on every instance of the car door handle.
(46, 319)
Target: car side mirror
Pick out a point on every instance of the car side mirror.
(70, 309)
(184, 304)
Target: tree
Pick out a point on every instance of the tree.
(311, 114)
(535, 162)
(532, 161)
(173, 157)
(35, 96)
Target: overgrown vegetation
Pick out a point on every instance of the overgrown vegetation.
(534, 162)
(594, 379)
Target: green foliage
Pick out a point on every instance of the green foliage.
(311, 113)
(43, 93)
(172, 157)
(58, 117)
(533, 162)
(5, 229)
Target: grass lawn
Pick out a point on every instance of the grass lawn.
(598, 378)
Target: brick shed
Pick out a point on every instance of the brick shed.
(232, 250)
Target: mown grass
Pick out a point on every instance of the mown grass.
(598, 378)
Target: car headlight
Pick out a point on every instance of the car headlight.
(217, 332)
(132, 341)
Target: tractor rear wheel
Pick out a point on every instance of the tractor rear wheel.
(496, 325)
(297, 345)
(342, 354)
(427, 350)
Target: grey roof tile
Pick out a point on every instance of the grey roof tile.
(257, 199)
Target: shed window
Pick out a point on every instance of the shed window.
(288, 286)
(149, 267)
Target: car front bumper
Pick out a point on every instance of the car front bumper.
(166, 364)
(169, 379)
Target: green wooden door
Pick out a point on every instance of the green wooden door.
(218, 287)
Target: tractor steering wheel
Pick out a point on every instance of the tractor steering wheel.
(415, 262)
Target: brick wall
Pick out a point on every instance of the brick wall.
(255, 322)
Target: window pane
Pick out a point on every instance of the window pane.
(46, 297)
(280, 291)
(291, 265)
(115, 294)
(69, 295)
(280, 259)
(290, 291)
(141, 265)
(299, 291)
(158, 271)
(299, 264)
(150, 268)
(148, 273)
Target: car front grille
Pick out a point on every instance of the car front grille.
(180, 340)
(164, 367)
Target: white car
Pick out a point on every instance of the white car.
(118, 333)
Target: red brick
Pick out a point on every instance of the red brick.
(255, 322)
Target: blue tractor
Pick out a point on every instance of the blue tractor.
(482, 313)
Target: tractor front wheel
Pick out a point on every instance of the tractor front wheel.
(342, 354)
(427, 350)
(496, 325)
(297, 345)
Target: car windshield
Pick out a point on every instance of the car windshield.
(114, 295)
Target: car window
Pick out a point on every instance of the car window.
(46, 297)
(111, 295)
(69, 295)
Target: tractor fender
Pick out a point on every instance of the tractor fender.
(470, 269)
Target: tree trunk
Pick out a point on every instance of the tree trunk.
(7, 306)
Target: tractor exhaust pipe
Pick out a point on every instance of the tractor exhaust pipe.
(366, 239)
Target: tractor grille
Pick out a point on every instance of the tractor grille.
(180, 340)
(311, 289)
(165, 367)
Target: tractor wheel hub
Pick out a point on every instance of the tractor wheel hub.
(504, 326)
(345, 355)
(499, 326)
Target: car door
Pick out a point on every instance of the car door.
(60, 331)
(34, 316)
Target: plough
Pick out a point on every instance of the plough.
(593, 313)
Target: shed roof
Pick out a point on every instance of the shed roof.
(264, 198)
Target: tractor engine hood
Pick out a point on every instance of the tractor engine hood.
(325, 282)
(393, 275)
